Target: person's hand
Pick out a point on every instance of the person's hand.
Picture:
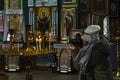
(72, 46)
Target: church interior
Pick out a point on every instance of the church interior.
(35, 36)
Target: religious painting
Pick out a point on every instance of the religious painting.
(15, 23)
(1, 26)
(74, 32)
(98, 20)
(84, 5)
(44, 1)
(113, 7)
(83, 21)
(43, 18)
(14, 4)
(68, 21)
(99, 6)
(114, 25)
(69, 1)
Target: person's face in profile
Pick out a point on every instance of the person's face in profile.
(85, 39)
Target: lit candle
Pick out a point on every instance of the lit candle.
(40, 40)
(18, 47)
(37, 43)
(49, 41)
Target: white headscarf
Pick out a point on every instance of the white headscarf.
(91, 33)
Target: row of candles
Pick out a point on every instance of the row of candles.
(39, 43)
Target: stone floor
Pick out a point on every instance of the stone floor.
(45, 75)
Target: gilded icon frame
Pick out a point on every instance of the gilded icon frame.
(74, 32)
(84, 5)
(38, 11)
(99, 7)
(68, 1)
(14, 4)
(98, 20)
(14, 21)
(114, 25)
(84, 21)
(67, 13)
(113, 7)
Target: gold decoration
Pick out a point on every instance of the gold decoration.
(14, 4)
(40, 43)
(118, 54)
(42, 10)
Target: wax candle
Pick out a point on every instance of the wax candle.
(37, 43)
(49, 41)
(40, 43)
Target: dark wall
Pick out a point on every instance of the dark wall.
(59, 11)
(118, 8)
(26, 11)
(1, 4)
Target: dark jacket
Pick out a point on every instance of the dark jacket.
(98, 67)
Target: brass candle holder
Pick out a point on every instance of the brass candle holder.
(28, 55)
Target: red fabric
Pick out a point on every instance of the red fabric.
(1, 32)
